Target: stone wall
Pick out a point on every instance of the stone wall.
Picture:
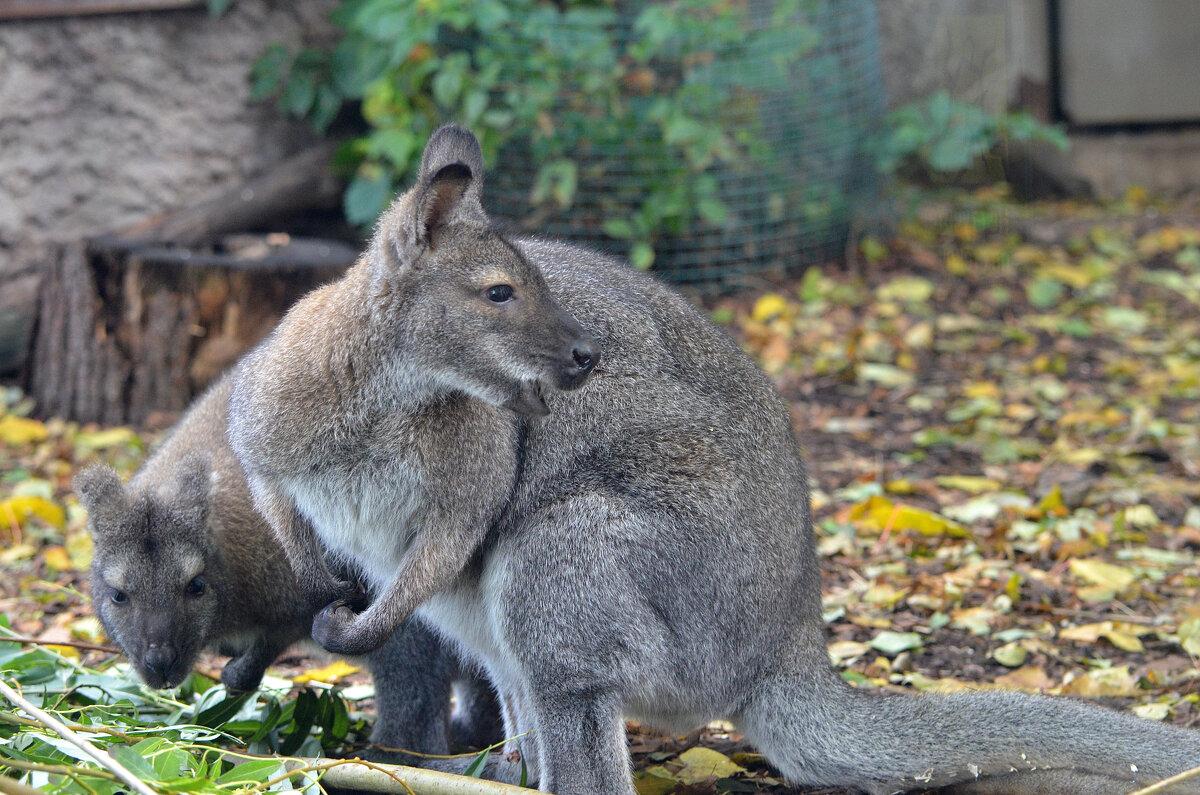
(107, 120)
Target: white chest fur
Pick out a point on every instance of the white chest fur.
(365, 513)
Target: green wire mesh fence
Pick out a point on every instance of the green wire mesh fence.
(755, 165)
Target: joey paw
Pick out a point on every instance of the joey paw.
(339, 629)
(242, 674)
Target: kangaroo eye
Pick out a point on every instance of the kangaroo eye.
(499, 293)
(119, 597)
(196, 586)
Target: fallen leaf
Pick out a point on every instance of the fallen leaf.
(18, 510)
(17, 431)
(1028, 677)
(768, 306)
(878, 512)
(701, 764)
(330, 674)
(1121, 634)
(1104, 574)
(892, 643)
(1011, 654)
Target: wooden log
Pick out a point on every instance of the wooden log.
(124, 334)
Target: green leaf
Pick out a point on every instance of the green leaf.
(618, 228)
(1045, 293)
(642, 256)
(892, 643)
(366, 198)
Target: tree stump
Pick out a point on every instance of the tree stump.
(127, 330)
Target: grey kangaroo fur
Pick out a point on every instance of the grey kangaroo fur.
(571, 473)
(183, 562)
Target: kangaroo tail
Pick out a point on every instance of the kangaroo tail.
(817, 729)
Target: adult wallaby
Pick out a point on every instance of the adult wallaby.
(615, 521)
(183, 562)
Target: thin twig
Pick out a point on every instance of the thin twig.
(72, 773)
(1167, 783)
(10, 786)
(55, 725)
(358, 774)
(74, 644)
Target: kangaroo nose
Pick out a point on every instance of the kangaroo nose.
(160, 659)
(586, 354)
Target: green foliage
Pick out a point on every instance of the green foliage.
(943, 135)
(174, 744)
(554, 84)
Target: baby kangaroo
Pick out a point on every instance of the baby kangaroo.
(563, 466)
(183, 563)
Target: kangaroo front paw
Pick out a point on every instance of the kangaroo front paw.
(342, 631)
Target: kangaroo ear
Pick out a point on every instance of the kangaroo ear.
(193, 476)
(102, 493)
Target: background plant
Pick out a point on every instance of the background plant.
(551, 84)
(941, 135)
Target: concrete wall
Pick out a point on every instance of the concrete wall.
(996, 53)
(981, 51)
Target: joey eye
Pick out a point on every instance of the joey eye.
(196, 587)
(499, 293)
(119, 597)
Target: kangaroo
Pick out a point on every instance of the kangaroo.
(569, 471)
(183, 562)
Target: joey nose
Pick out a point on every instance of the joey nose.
(160, 659)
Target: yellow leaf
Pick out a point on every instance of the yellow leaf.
(1121, 634)
(956, 265)
(1027, 677)
(70, 652)
(701, 764)
(1052, 500)
(1141, 516)
(769, 306)
(79, 549)
(1098, 572)
(56, 558)
(330, 674)
(18, 430)
(655, 780)
(899, 486)
(1189, 636)
(879, 512)
(17, 510)
(1095, 594)
(969, 483)
(1010, 654)
(111, 437)
(1073, 275)
(1098, 682)
(17, 552)
(981, 389)
(1154, 711)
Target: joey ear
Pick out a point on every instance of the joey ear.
(439, 199)
(449, 182)
(448, 189)
(102, 493)
(193, 476)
